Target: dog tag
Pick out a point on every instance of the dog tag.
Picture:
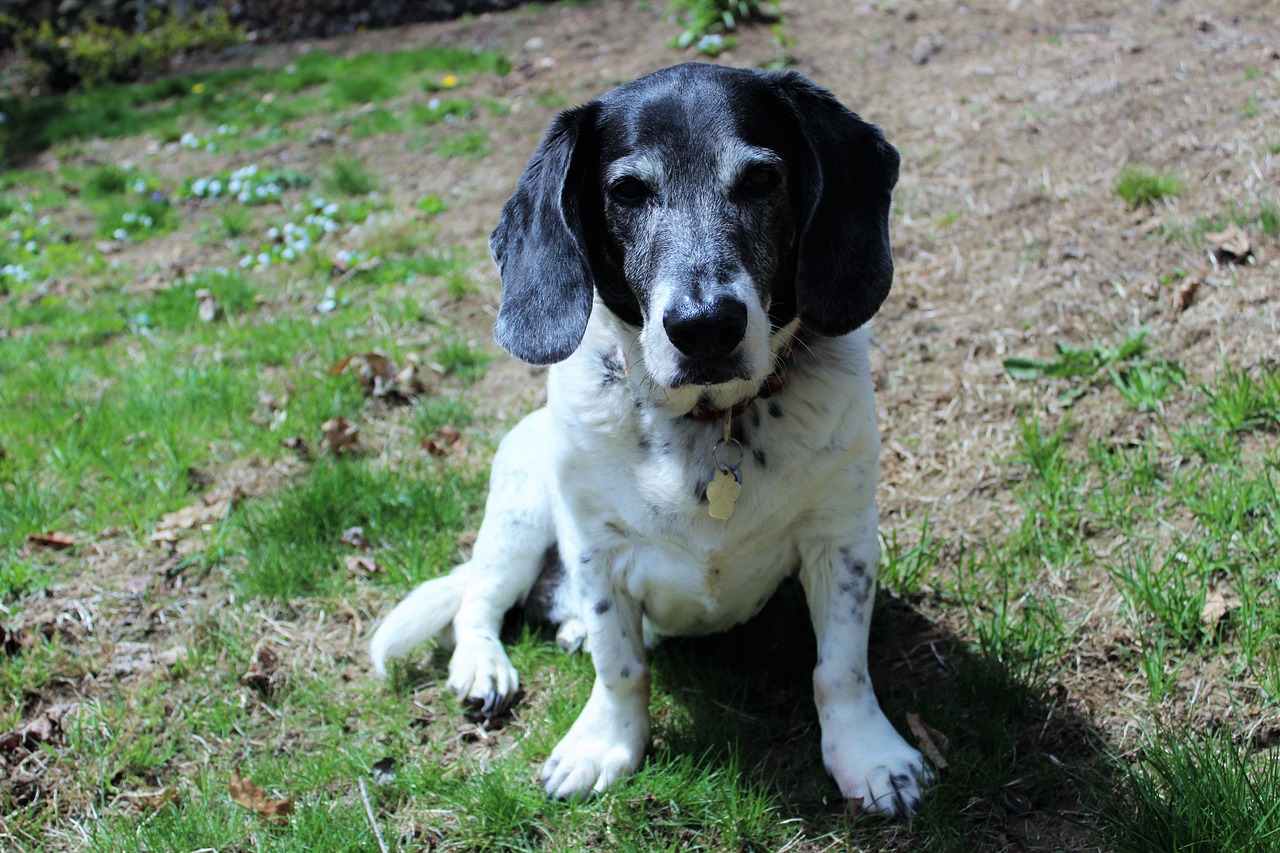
(722, 494)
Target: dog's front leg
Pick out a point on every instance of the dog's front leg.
(874, 767)
(608, 740)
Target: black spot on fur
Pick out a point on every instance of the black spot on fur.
(774, 409)
(739, 432)
(602, 606)
(755, 416)
(760, 458)
(612, 370)
(645, 443)
(626, 672)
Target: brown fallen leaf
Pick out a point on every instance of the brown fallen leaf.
(263, 674)
(252, 797)
(340, 435)
(1187, 293)
(1215, 609)
(447, 441)
(353, 537)
(1231, 243)
(379, 376)
(361, 565)
(298, 445)
(213, 507)
(55, 540)
(155, 800)
(45, 727)
(933, 743)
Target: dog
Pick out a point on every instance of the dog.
(695, 254)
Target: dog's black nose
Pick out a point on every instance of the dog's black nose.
(709, 329)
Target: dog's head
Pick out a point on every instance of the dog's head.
(707, 207)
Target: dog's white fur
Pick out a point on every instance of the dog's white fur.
(609, 472)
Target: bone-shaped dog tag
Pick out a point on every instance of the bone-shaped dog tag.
(722, 494)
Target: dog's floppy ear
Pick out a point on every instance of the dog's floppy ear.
(547, 287)
(845, 264)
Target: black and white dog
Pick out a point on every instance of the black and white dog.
(696, 253)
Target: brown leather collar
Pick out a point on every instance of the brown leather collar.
(772, 384)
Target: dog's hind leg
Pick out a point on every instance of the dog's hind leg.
(517, 531)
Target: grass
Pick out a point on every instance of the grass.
(1139, 186)
(1147, 561)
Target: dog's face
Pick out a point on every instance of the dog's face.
(698, 230)
(707, 207)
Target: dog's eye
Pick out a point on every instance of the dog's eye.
(759, 181)
(630, 192)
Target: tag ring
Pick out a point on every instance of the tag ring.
(715, 454)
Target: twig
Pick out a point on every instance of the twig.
(368, 810)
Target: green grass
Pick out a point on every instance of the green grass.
(314, 82)
(1187, 791)
(123, 403)
(1137, 185)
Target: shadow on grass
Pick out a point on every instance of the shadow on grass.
(745, 700)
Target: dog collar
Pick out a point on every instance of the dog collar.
(772, 384)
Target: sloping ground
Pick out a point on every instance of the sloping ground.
(1014, 121)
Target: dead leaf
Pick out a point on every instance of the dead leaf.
(447, 441)
(209, 309)
(1187, 293)
(53, 539)
(372, 369)
(213, 507)
(933, 743)
(45, 727)
(155, 800)
(1231, 243)
(11, 641)
(130, 659)
(252, 797)
(340, 435)
(361, 565)
(383, 771)
(263, 674)
(1216, 607)
(379, 376)
(298, 445)
(353, 537)
(408, 381)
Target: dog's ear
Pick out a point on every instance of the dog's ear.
(547, 287)
(845, 264)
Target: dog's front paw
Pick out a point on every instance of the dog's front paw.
(877, 771)
(606, 743)
(481, 675)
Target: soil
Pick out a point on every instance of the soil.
(1013, 119)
